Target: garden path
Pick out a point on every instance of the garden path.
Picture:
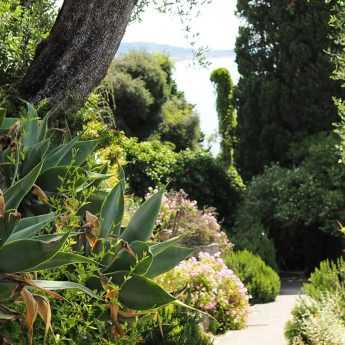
(266, 321)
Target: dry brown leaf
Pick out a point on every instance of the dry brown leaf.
(45, 313)
(40, 194)
(2, 204)
(31, 311)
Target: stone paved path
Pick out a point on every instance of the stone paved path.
(266, 321)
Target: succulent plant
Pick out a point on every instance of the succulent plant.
(129, 261)
(24, 246)
(27, 143)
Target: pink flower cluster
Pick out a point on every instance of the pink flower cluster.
(207, 284)
(180, 216)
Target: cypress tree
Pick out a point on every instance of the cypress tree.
(286, 87)
(227, 118)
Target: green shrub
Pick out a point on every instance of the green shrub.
(330, 276)
(205, 180)
(181, 124)
(262, 283)
(21, 30)
(300, 205)
(175, 326)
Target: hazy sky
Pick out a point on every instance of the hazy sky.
(217, 26)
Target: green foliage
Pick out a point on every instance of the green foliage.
(174, 326)
(181, 125)
(300, 205)
(204, 179)
(319, 317)
(227, 116)
(149, 164)
(145, 101)
(329, 277)
(262, 283)
(21, 30)
(27, 143)
(139, 88)
(286, 87)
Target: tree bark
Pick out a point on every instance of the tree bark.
(75, 57)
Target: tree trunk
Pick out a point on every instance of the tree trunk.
(75, 57)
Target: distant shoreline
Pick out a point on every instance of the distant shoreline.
(178, 53)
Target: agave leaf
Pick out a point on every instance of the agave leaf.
(112, 211)
(7, 123)
(7, 290)
(63, 285)
(27, 228)
(23, 255)
(128, 258)
(81, 152)
(139, 293)
(167, 260)
(7, 226)
(94, 179)
(142, 223)
(95, 203)
(16, 193)
(62, 259)
(162, 246)
(35, 155)
(58, 154)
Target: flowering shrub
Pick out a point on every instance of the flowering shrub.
(180, 216)
(207, 284)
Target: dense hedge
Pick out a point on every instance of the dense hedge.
(262, 282)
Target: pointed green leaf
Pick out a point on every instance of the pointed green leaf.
(7, 289)
(142, 223)
(63, 285)
(162, 246)
(94, 204)
(23, 255)
(7, 226)
(16, 193)
(35, 155)
(139, 293)
(58, 154)
(81, 152)
(125, 261)
(167, 260)
(62, 259)
(27, 228)
(112, 211)
(8, 122)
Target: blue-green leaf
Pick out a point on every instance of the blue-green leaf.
(141, 225)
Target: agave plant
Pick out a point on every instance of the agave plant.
(130, 262)
(25, 142)
(25, 248)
